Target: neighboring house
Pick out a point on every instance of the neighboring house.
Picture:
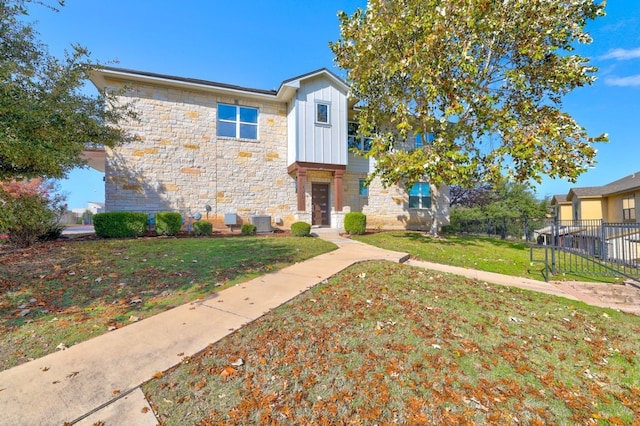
(219, 150)
(599, 220)
(614, 202)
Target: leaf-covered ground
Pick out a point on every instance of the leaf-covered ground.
(382, 343)
(65, 292)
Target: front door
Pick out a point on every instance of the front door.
(320, 203)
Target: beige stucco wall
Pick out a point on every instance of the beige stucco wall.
(591, 209)
(566, 212)
(614, 206)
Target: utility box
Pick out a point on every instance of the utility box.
(262, 223)
(230, 219)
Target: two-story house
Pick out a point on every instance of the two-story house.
(216, 150)
(614, 202)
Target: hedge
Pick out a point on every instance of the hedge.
(300, 229)
(120, 224)
(248, 229)
(355, 223)
(168, 223)
(202, 227)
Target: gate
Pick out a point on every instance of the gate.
(590, 247)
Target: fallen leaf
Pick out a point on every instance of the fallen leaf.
(72, 374)
(45, 369)
(158, 375)
(228, 371)
(144, 410)
(116, 391)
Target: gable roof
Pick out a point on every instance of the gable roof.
(626, 184)
(286, 90)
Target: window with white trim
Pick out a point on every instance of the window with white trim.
(236, 121)
(357, 142)
(322, 113)
(629, 208)
(420, 196)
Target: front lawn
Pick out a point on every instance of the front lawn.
(382, 343)
(65, 292)
(475, 252)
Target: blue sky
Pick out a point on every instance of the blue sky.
(260, 43)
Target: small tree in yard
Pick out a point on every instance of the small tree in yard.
(30, 211)
(485, 77)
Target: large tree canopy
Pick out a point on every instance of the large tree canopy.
(46, 119)
(486, 77)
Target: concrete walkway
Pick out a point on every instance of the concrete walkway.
(99, 380)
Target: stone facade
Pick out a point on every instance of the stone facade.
(178, 163)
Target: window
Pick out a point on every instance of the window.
(420, 196)
(423, 139)
(322, 113)
(237, 121)
(363, 188)
(629, 209)
(357, 142)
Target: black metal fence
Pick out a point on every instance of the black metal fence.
(521, 228)
(590, 247)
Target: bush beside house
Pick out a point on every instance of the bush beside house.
(120, 224)
(355, 223)
(300, 229)
(202, 227)
(168, 223)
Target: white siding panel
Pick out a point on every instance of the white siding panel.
(292, 132)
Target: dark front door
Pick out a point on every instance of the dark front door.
(320, 203)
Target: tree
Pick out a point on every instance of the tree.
(476, 196)
(46, 120)
(486, 77)
(30, 211)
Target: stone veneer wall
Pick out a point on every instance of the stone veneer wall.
(177, 162)
(387, 208)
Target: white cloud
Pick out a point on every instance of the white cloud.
(622, 54)
(631, 81)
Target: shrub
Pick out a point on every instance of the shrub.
(355, 223)
(248, 229)
(30, 212)
(168, 223)
(300, 229)
(202, 227)
(120, 224)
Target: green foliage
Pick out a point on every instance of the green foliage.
(355, 223)
(30, 212)
(120, 224)
(202, 227)
(46, 118)
(168, 223)
(248, 229)
(300, 229)
(486, 77)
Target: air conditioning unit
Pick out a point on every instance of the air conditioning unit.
(262, 223)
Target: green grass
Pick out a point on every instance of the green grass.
(382, 343)
(482, 253)
(69, 291)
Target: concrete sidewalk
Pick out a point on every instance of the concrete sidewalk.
(99, 380)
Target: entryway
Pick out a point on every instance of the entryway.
(320, 204)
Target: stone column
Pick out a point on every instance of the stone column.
(338, 177)
(301, 182)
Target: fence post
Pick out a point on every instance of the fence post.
(555, 236)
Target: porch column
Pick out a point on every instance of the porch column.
(301, 183)
(338, 176)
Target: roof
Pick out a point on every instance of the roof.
(626, 184)
(559, 199)
(284, 92)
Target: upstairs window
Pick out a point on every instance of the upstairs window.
(629, 209)
(420, 196)
(423, 139)
(322, 113)
(237, 122)
(357, 142)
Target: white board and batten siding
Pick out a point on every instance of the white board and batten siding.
(314, 142)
